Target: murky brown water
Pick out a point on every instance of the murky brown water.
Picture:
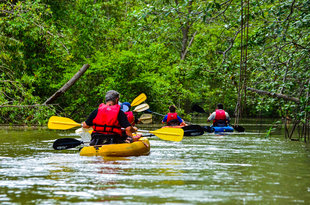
(238, 168)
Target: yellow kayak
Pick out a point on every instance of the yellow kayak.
(137, 148)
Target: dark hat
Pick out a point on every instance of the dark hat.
(125, 106)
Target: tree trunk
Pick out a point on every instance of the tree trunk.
(67, 85)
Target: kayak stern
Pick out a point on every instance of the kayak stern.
(140, 147)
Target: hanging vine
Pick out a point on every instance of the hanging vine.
(244, 34)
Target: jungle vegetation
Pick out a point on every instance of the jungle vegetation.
(250, 55)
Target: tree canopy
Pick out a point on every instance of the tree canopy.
(176, 51)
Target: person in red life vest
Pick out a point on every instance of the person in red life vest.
(220, 118)
(125, 107)
(107, 122)
(172, 118)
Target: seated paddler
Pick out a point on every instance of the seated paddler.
(125, 107)
(172, 118)
(220, 117)
(107, 122)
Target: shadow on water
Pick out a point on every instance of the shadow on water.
(222, 169)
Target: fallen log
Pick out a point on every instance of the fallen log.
(274, 95)
(67, 85)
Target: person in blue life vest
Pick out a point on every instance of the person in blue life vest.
(107, 122)
(220, 118)
(125, 107)
(172, 118)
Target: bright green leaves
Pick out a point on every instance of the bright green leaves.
(176, 52)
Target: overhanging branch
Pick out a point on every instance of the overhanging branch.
(274, 95)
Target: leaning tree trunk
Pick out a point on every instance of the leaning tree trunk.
(67, 85)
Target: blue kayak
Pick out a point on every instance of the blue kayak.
(223, 129)
(211, 129)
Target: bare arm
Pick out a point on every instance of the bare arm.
(129, 130)
(84, 125)
(211, 117)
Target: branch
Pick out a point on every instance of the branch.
(229, 1)
(22, 106)
(189, 44)
(67, 85)
(8, 81)
(291, 11)
(274, 95)
(231, 45)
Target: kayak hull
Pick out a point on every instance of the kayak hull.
(211, 129)
(223, 129)
(140, 147)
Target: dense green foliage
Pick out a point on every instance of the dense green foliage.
(177, 52)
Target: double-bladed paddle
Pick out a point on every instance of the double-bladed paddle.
(199, 109)
(63, 123)
(189, 130)
(150, 111)
(169, 134)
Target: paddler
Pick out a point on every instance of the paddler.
(220, 118)
(172, 118)
(125, 107)
(107, 122)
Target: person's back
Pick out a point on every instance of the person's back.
(125, 107)
(172, 118)
(220, 118)
(107, 122)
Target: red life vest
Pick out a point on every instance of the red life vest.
(172, 116)
(219, 115)
(130, 117)
(106, 121)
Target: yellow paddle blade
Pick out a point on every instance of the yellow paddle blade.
(61, 123)
(146, 121)
(138, 100)
(141, 108)
(146, 118)
(170, 134)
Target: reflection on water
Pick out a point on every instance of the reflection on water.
(226, 169)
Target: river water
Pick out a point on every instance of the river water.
(237, 168)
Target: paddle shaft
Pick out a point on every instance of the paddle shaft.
(170, 134)
(165, 115)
